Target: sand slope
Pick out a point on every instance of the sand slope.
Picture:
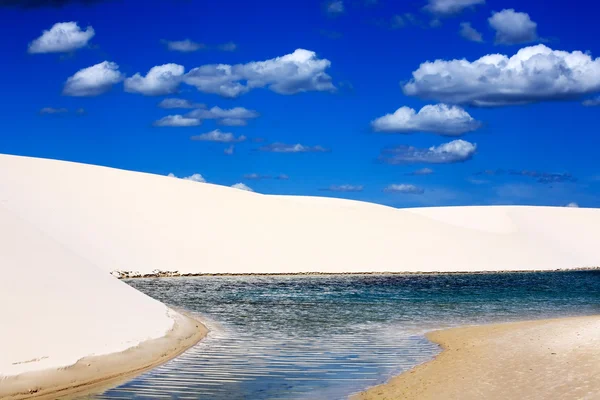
(140, 222)
(58, 307)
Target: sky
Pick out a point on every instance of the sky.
(403, 103)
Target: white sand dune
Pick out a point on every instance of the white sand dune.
(58, 307)
(64, 226)
(122, 220)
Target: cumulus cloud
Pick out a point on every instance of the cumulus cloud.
(62, 37)
(404, 188)
(242, 186)
(572, 205)
(218, 136)
(193, 177)
(94, 80)
(228, 151)
(301, 71)
(513, 27)
(450, 7)
(232, 122)
(470, 33)
(52, 110)
(447, 153)
(534, 74)
(160, 80)
(184, 46)
(178, 121)
(179, 103)
(420, 172)
(292, 148)
(227, 116)
(335, 7)
(440, 118)
(344, 188)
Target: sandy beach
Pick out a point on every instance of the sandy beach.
(548, 359)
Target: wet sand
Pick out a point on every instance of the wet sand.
(546, 359)
(96, 373)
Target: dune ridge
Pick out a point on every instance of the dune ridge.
(131, 221)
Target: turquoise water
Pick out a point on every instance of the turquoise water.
(326, 337)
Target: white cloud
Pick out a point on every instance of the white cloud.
(592, 102)
(218, 136)
(160, 80)
(220, 113)
(52, 110)
(242, 186)
(345, 188)
(513, 27)
(185, 46)
(335, 7)
(233, 122)
(230, 46)
(534, 74)
(450, 7)
(229, 150)
(291, 148)
(237, 116)
(62, 37)
(572, 205)
(94, 80)
(179, 103)
(177, 121)
(300, 71)
(404, 188)
(440, 118)
(470, 33)
(195, 178)
(422, 171)
(447, 153)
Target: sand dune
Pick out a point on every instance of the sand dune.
(122, 220)
(57, 307)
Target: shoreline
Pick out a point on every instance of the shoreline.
(97, 373)
(124, 275)
(551, 358)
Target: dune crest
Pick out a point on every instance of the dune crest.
(131, 221)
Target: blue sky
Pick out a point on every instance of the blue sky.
(505, 131)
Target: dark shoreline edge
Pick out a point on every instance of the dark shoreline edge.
(175, 274)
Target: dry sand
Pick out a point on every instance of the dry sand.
(58, 309)
(549, 359)
(123, 220)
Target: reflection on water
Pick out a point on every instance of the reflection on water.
(325, 337)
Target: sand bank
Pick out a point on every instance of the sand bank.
(95, 373)
(549, 359)
(66, 323)
(131, 221)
